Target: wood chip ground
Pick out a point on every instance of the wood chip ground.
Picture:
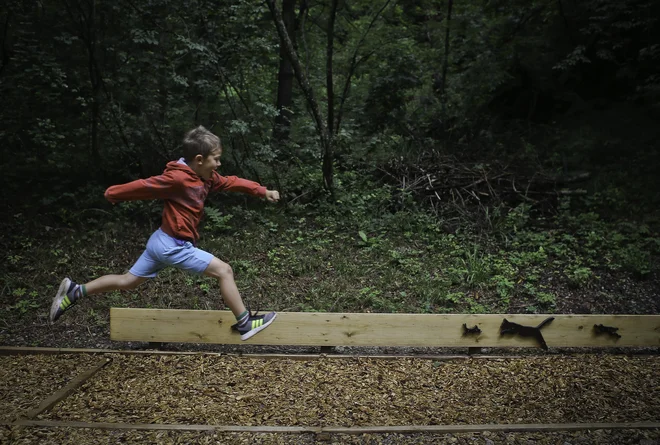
(348, 392)
(74, 436)
(27, 380)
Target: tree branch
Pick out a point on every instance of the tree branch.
(354, 64)
(309, 95)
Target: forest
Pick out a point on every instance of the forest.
(475, 156)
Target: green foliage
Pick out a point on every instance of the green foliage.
(24, 306)
(97, 318)
(579, 276)
(504, 287)
(140, 210)
(138, 86)
(636, 260)
(99, 96)
(216, 221)
(622, 62)
(475, 266)
(387, 98)
(132, 86)
(25, 301)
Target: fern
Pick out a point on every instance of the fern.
(216, 221)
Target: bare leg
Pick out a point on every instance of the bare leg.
(67, 295)
(109, 283)
(225, 276)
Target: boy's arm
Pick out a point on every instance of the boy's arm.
(155, 187)
(236, 184)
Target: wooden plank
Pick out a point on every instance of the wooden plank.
(349, 329)
(165, 426)
(509, 428)
(68, 389)
(36, 350)
(345, 430)
(27, 350)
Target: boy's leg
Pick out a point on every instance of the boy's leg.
(225, 276)
(70, 292)
(246, 323)
(108, 283)
(147, 266)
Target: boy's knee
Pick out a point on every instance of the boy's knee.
(130, 286)
(226, 271)
(219, 270)
(129, 282)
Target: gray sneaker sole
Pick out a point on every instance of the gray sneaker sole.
(259, 329)
(61, 292)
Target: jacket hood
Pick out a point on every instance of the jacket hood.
(181, 166)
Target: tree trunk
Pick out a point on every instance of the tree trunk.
(328, 65)
(326, 144)
(285, 78)
(95, 78)
(4, 46)
(443, 82)
(328, 155)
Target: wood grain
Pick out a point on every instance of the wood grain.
(352, 329)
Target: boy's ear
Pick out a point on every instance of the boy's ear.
(199, 159)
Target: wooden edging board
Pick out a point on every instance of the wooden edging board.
(344, 430)
(28, 350)
(408, 330)
(68, 389)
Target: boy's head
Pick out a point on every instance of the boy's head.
(202, 150)
(200, 141)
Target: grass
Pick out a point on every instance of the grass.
(357, 257)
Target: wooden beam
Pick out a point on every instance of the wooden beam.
(344, 430)
(28, 350)
(352, 329)
(163, 426)
(61, 394)
(37, 350)
(509, 428)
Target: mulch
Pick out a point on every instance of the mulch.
(75, 436)
(27, 380)
(329, 391)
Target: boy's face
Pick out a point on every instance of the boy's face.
(205, 167)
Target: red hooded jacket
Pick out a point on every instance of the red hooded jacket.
(184, 194)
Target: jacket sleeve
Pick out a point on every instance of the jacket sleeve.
(236, 184)
(155, 187)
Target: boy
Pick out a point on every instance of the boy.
(184, 186)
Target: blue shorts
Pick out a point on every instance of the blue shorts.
(163, 250)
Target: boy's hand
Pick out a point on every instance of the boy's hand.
(272, 195)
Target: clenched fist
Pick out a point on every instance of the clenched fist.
(272, 195)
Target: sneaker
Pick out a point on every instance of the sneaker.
(62, 302)
(254, 324)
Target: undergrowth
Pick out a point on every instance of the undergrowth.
(363, 253)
